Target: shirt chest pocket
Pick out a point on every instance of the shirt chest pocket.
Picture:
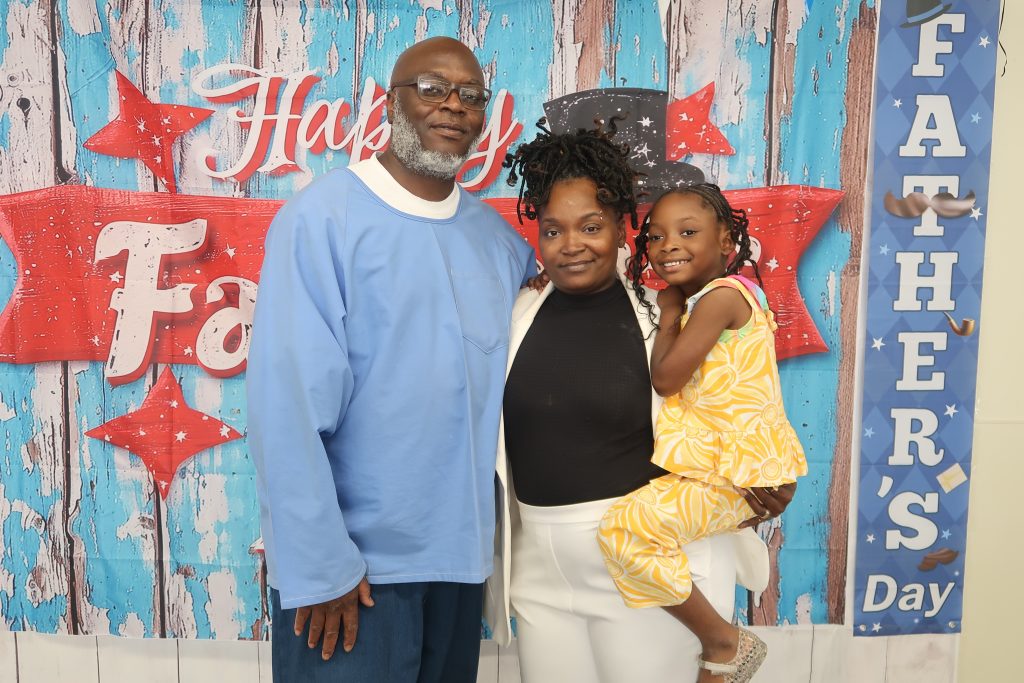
(483, 311)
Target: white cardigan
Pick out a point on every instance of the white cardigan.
(751, 552)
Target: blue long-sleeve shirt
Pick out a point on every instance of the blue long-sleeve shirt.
(374, 384)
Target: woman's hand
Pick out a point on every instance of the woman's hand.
(767, 502)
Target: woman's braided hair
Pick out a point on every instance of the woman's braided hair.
(734, 219)
(553, 157)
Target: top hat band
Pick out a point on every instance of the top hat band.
(924, 16)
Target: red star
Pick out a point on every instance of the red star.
(689, 130)
(146, 130)
(164, 432)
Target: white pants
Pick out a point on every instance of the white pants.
(573, 626)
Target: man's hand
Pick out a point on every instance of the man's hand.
(539, 281)
(767, 502)
(329, 617)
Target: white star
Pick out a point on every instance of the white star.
(180, 436)
(772, 264)
(106, 437)
(975, 118)
(230, 251)
(116, 276)
(174, 403)
(188, 351)
(869, 432)
(862, 628)
(946, 533)
(645, 122)
(156, 140)
(984, 42)
(884, 250)
(649, 163)
(224, 431)
(877, 343)
(870, 538)
(956, 573)
(166, 120)
(684, 117)
(142, 432)
(876, 627)
(643, 150)
(95, 341)
(140, 124)
(951, 410)
(976, 213)
(897, 103)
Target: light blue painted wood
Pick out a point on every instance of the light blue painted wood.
(33, 547)
(115, 525)
(212, 515)
(811, 139)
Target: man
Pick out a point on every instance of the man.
(375, 381)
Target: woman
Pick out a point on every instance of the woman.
(577, 434)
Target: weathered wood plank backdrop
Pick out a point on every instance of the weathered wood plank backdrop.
(86, 543)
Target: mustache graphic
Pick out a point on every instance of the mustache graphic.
(916, 203)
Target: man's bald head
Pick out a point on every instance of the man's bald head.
(433, 137)
(420, 56)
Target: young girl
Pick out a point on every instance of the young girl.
(722, 427)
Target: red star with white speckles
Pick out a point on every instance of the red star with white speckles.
(146, 130)
(164, 432)
(688, 127)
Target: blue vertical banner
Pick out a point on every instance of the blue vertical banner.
(932, 144)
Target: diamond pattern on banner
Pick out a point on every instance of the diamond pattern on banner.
(932, 135)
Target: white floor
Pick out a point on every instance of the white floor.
(797, 654)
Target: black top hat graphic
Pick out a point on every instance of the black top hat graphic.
(642, 129)
(921, 11)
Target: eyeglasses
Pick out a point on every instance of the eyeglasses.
(437, 89)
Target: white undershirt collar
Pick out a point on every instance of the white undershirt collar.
(391, 192)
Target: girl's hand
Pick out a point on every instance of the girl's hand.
(671, 299)
(539, 281)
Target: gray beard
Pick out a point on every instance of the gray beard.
(407, 147)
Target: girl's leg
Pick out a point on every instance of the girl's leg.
(719, 639)
(711, 510)
(648, 645)
(642, 538)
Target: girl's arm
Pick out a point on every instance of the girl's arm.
(679, 352)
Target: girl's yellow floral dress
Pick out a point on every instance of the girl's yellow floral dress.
(726, 428)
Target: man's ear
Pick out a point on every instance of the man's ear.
(389, 102)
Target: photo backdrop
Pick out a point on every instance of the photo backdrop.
(144, 147)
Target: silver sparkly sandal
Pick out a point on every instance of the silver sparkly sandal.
(750, 653)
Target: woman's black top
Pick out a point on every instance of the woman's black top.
(578, 402)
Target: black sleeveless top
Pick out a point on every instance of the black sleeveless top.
(578, 402)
